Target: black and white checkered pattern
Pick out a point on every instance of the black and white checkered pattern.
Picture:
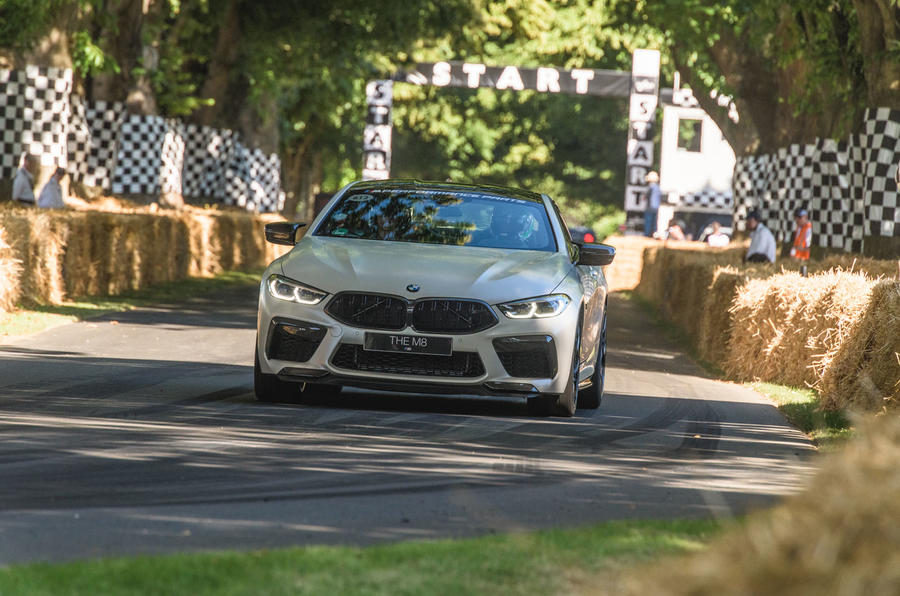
(253, 180)
(707, 199)
(34, 116)
(750, 183)
(139, 159)
(793, 189)
(100, 145)
(207, 153)
(882, 217)
(93, 138)
(848, 186)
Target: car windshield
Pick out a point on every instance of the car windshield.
(460, 218)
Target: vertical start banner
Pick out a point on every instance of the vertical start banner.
(643, 101)
(377, 136)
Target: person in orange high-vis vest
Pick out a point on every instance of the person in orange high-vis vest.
(802, 236)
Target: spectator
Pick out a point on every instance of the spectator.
(654, 195)
(802, 236)
(23, 183)
(675, 232)
(762, 242)
(716, 238)
(51, 194)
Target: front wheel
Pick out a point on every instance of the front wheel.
(269, 388)
(590, 397)
(565, 403)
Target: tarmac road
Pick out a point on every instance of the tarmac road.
(138, 433)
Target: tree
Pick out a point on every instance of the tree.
(794, 69)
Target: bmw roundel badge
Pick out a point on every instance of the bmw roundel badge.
(412, 288)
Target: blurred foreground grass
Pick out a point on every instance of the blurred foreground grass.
(32, 318)
(591, 559)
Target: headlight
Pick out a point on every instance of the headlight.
(535, 308)
(287, 289)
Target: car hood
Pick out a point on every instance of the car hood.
(490, 274)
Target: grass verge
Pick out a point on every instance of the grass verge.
(586, 559)
(801, 407)
(32, 318)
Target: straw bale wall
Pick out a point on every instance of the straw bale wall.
(10, 269)
(837, 330)
(625, 271)
(787, 325)
(76, 253)
(865, 370)
(839, 536)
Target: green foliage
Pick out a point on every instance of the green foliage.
(570, 147)
(187, 34)
(22, 22)
(88, 58)
(810, 50)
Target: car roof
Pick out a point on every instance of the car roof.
(450, 187)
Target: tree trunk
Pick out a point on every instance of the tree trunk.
(124, 42)
(303, 181)
(223, 85)
(879, 33)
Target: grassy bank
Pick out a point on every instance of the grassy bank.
(555, 561)
(803, 408)
(32, 318)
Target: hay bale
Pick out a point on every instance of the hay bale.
(864, 373)
(783, 325)
(625, 271)
(856, 263)
(10, 271)
(839, 536)
(715, 324)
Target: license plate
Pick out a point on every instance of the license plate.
(413, 344)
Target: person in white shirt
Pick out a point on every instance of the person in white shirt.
(51, 194)
(762, 242)
(23, 183)
(716, 238)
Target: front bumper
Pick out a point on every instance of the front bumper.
(512, 358)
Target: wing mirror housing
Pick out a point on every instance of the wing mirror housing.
(596, 254)
(283, 232)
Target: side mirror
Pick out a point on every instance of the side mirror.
(283, 232)
(596, 254)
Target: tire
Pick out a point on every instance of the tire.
(565, 403)
(269, 388)
(590, 397)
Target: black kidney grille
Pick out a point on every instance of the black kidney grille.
(458, 364)
(430, 315)
(452, 316)
(372, 311)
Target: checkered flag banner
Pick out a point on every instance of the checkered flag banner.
(140, 155)
(206, 152)
(707, 199)
(34, 116)
(849, 187)
(93, 138)
(253, 180)
(881, 152)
